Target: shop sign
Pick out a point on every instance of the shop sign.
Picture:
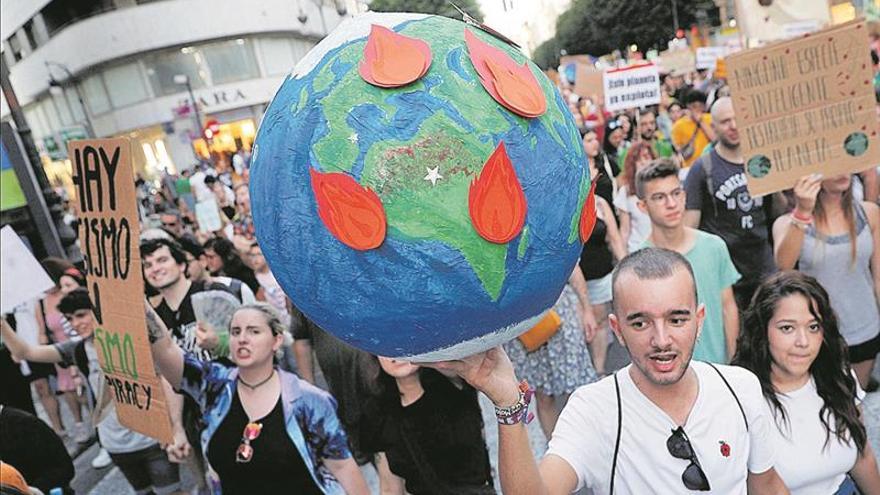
(209, 101)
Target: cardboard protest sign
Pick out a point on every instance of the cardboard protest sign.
(707, 56)
(109, 233)
(805, 106)
(632, 87)
(677, 61)
(22, 278)
(585, 79)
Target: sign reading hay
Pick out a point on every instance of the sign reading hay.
(805, 106)
(109, 233)
(632, 87)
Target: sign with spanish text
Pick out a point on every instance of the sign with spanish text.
(707, 56)
(632, 87)
(109, 233)
(805, 106)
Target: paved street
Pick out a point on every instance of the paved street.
(109, 481)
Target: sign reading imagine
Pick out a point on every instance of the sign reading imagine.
(805, 106)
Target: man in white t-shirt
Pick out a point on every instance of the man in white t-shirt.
(681, 426)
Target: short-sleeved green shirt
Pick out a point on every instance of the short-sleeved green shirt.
(714, 272)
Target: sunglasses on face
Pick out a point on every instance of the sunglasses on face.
(245, 452)
(679, 446)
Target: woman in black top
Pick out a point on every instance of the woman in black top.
(597, 258)
(430, 429)
(603, 170)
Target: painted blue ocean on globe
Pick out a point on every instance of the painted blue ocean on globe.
(396, 261)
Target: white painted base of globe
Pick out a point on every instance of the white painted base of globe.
(479, 344)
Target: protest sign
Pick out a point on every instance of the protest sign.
(631, 87)
(708, 55)
(22, 278)
(583, 76)
(805, 106)
(762, 21)
(677, 61)
(109, 233)
(208, 216)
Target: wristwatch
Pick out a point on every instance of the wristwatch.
(519, 411)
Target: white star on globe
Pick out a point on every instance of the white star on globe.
(433, 175)
(353, 138)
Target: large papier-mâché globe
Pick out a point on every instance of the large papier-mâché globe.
(418, 186)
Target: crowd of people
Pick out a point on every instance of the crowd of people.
(751, 324)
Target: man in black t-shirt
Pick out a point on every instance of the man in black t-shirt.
(719, 202)
(165, 270)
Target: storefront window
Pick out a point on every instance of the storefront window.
(162, 67)
(231, 60)
(125, 85)
(73, 102)
(301, 47)
(51, 115)
(230, 138)
(61, 106)
(277, 55)
(35, 120)
(95, 94)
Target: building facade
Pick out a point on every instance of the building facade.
(129, 67)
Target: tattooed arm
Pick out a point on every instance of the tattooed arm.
(166, 354)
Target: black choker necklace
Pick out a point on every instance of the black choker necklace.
(256, 385)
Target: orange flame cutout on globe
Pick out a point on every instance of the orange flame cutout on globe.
(513, 86)
(588, 214)
(392, 60)
(496, 200)
(350, 211)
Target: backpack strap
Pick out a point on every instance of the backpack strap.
(706, 164)
(735, 397)
(619, 429)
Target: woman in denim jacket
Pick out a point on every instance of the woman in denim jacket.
(248, 408)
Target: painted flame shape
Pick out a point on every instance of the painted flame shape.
(588, 214)
(496, 200)
(513, 86)
(392, 60)
(350, 211)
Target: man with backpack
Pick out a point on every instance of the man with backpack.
(718, 202)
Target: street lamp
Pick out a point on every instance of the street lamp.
(73, 81)
(184, 80)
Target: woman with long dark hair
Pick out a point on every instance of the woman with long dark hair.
(223, 259)
(791, 341)
(835, 238)
(429, 427)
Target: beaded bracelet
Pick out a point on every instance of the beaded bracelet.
(518, 412)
